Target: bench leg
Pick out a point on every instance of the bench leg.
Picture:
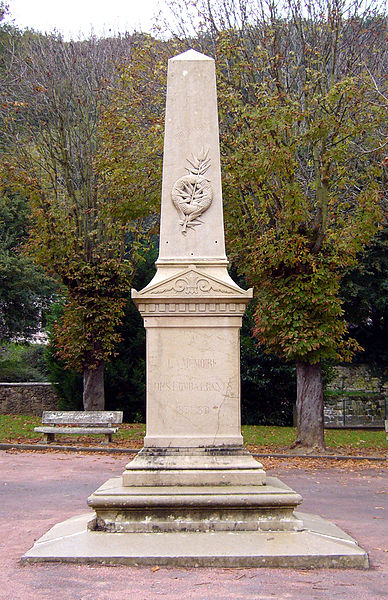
(108, 438)
(49, 437)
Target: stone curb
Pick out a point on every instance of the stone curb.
(16, 446)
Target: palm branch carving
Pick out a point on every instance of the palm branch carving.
(192, 194)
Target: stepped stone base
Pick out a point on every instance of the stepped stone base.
(212, 466)
(198, 508)
(319, 544)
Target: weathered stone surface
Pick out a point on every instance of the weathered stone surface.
(193, 466)
(89, 422)
(191, 165)
(193, 383)
(27, 398)
(195, 508)
(82, 417)
(319, 544)
(192, 309)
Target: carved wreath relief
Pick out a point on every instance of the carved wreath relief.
(192, 194)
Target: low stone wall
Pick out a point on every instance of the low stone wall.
(357, 397)
(27, 398)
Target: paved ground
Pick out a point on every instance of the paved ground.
(40, 489)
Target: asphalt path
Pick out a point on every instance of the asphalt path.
(40, 489)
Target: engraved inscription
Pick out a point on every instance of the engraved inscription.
(187, 410)
(190, 363)
(192, 194)
(194, 385)
(187, 386)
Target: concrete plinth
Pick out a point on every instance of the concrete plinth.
(318, 544)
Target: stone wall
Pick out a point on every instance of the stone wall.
(27, 398)
(357, 397)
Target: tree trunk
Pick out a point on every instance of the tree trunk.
(309, 405)
(93, 393)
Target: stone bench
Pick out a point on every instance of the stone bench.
(80, 423)
(386, 427)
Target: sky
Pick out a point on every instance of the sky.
(79, 17)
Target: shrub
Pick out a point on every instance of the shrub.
(22, 362)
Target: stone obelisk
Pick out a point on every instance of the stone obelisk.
(191, 223)
(193, 495)
(192, 309)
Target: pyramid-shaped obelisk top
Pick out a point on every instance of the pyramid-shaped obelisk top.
(191, 55)
(192, 229)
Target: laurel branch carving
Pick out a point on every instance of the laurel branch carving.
(192, 194)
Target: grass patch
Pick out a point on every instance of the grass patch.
(15, 427)
(351, 438)
(259, 435)
(262, 435)
(131, 432)
(21, 427)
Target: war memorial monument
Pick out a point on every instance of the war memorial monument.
(194, 496)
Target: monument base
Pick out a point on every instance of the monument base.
(201, 508)
(320, 544)
(166, 466)
(197, 525)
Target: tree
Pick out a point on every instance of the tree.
(267, 382)
(125, 372)
(52, 111)
(364, 290)
(303, 140)
(132, 125)
(25, 292)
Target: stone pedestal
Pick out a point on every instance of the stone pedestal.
(193, 321)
